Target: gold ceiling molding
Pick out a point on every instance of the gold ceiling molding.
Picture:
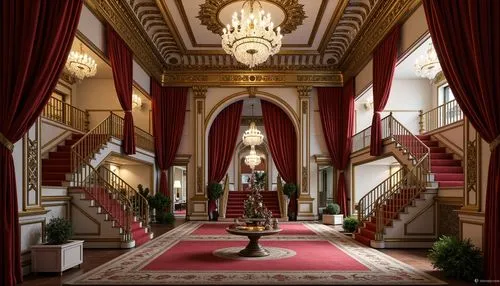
(383, 18)
(120, 16)
(253, 78)
(293, 11)
(353, 18)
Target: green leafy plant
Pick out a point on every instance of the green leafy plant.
(143, 191)
(332, 209)
(215, 191)
(159, 202)
(459, 259)
(289, 189)
(260, 180)
(165, 217)
(350, 224)
(58, 230)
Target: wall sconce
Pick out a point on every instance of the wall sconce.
(136, 101)
(368, 103)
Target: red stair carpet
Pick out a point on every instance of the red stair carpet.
(236, 198)
(55, 168)
(448, 171)
(114, 209)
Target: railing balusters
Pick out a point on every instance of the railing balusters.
(442, 115)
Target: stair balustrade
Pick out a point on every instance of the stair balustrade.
(440, 116)
(64, 113)
(401, 187)
(283, 203)
(225, 196)
(362, 139)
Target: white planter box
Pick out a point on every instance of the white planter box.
(56, 258)
(333, 219)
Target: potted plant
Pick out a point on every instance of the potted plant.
(350, 224)
(331, 215)
(161, 204)
(458, 259)
(290, 190)
(59, 253)
(215, 191)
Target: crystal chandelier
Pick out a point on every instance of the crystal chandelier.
(80, 64)
(252, 159)
(136, 101)
(251, 38)
(252, 136)
(428, 65)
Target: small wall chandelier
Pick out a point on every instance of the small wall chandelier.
(251, 38)
(252, 136)
(428, 65)
(136, 101)
(81, 65)
(252, 159)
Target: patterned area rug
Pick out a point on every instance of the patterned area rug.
(197, 253)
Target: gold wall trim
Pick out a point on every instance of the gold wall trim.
(250, 78)
(33, 212)
(386, 15)
(453, 201)
(56, 198)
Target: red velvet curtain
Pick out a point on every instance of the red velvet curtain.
(466, 36)
(282, 141)
(120, 57)
(384, 62)
(36, 39)
(169, 112)
(336, 109)
(222, 141)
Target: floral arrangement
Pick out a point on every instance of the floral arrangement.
(254, 205)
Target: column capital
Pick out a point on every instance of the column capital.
(304, 90)
(199, 91)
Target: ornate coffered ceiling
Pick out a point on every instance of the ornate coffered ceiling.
(322, 38)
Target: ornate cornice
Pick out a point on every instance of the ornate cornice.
(384, 16)
(294, 14)
(120, 16)
(199, 91)
(253, 78)
(304, 90)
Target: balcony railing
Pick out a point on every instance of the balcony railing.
(64, 113)
(440, 116)
(362, 139)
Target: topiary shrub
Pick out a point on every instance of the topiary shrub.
(215, 191)
(165, 218)
(458, 259)
(289, 189)
(350, 224)
(58, 230)
(332, 209)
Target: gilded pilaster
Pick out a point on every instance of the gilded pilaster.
(199, 204)
(305, 202)
(472, 166)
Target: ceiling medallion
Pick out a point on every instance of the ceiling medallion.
(294, 14)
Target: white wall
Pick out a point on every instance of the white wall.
(367, 177)
(136, 174)
(407, 97)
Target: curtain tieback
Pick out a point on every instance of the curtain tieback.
(128, 111)
(493, 145)
(341, 171)
(5, 142)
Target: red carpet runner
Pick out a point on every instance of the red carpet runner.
(203, 254)
(236, 199)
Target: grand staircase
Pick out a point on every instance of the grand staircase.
(448, 172)
(236, 199)
(386, 211)
(109, 203)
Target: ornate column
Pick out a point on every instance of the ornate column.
(471, 224)
(305, 202)
(199, 203)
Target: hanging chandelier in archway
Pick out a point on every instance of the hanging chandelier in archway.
(252, 136)
(252, 159)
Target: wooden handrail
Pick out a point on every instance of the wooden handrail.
(440, 116)
(64, 113)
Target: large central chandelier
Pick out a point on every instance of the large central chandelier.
(428, 65)
(252, 136)
(80, 64)
(251, 38)
(252, 159)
